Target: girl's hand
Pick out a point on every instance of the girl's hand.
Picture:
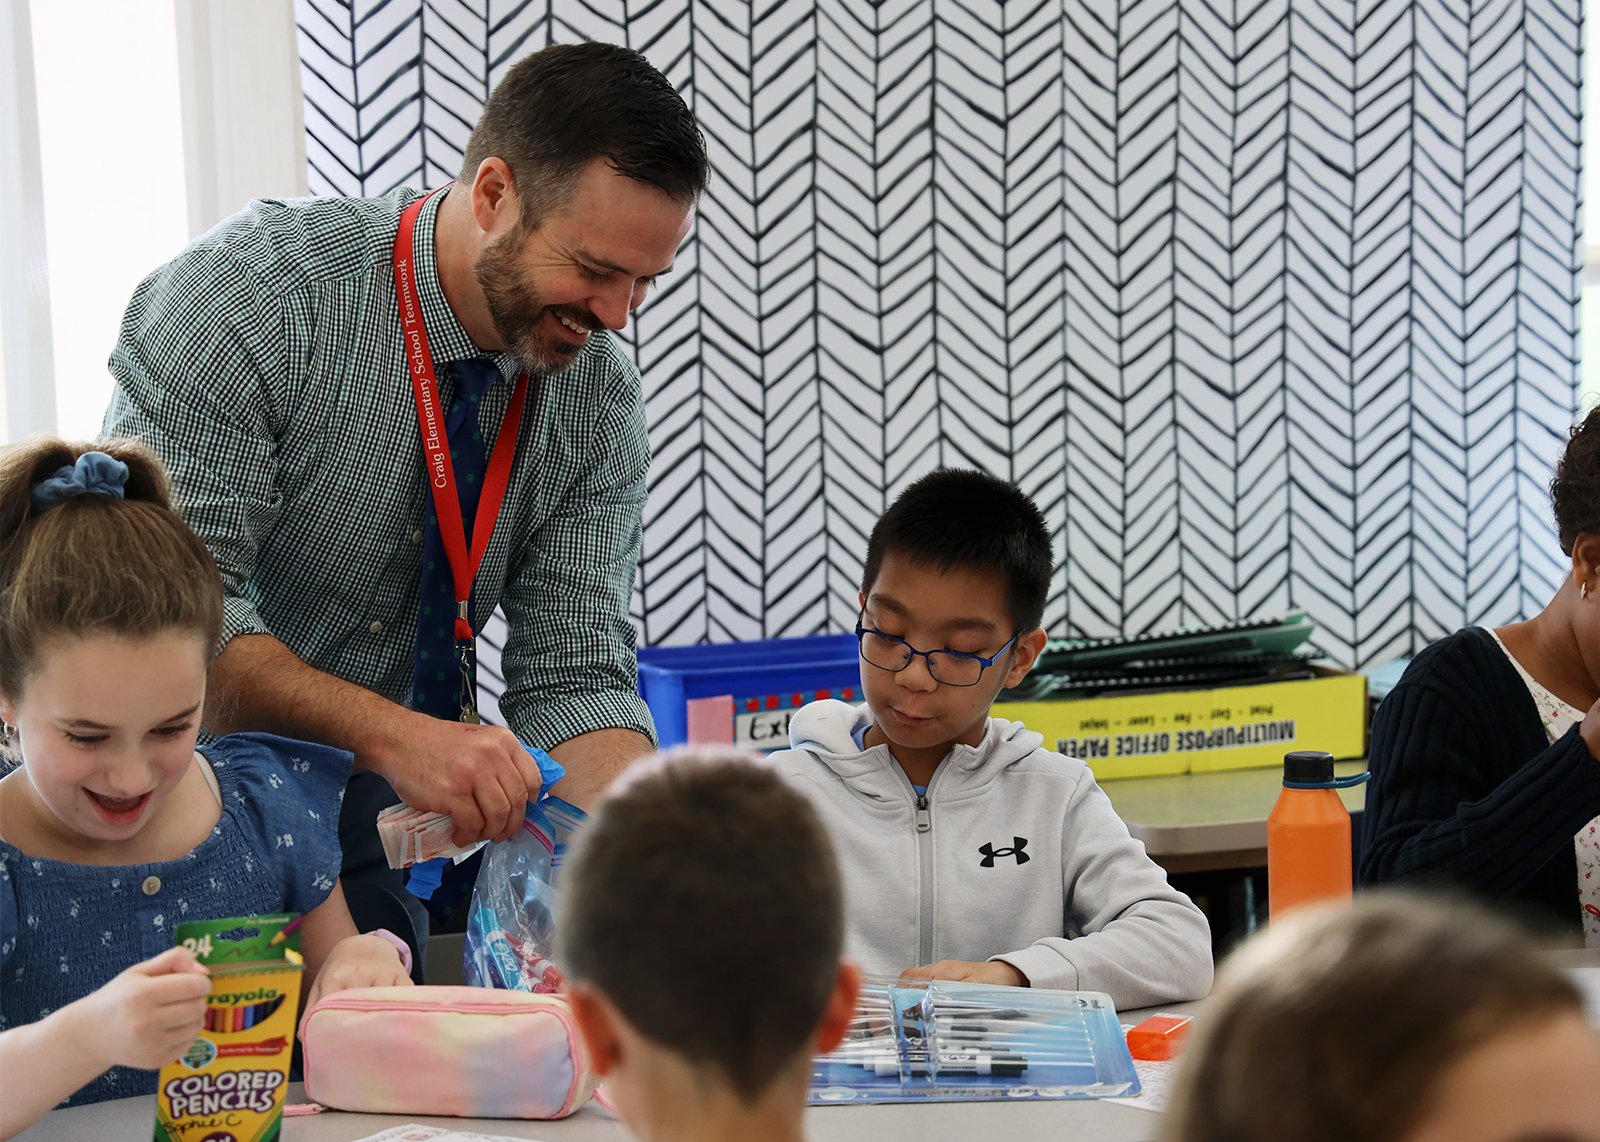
(146, 1017)
(358, 961)
(150, 1014)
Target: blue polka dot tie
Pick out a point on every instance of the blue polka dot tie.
(436, 688)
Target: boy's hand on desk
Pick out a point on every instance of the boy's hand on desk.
(358, 961)
(991, 971)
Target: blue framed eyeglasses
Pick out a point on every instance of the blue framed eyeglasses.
(948, 667)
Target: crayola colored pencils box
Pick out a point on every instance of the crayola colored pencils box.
(230, 1085)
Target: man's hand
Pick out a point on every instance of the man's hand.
(991, 971)
(358, 961)
(150, 1014)
(481, 775)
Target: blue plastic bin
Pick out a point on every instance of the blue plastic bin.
(767, 680)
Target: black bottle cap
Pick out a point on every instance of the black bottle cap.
(1308, 767)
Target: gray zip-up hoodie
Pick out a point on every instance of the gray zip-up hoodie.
(1014, 854)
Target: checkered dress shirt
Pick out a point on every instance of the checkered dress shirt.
(264, 364)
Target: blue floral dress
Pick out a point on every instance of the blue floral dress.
(66, 929)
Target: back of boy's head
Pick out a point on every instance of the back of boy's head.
(967, 519)
(704, 902)
(1338, 1022)
(95, 564)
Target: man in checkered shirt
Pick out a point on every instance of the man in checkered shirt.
(265, 365)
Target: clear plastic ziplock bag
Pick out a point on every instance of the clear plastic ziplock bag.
(511, 926)
(967, 1042)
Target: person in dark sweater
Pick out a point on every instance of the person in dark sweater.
(1483, 757)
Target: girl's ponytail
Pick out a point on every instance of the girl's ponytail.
(95, 563)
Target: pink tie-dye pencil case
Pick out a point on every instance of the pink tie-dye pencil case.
(467, 1051)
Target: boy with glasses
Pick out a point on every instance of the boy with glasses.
(969, 851)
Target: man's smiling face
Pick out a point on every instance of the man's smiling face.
(586, 267)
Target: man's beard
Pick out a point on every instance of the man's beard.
(518, 309)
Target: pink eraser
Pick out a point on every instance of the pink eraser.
(711, 720)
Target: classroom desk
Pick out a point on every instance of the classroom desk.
(1088, 1120)
(1201, 822)
(1101, 1121)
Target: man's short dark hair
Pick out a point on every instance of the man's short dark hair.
(704, 901)
(560, 108)
(960, 517)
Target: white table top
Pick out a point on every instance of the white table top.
(1098, 1120)
(955, 1121)
(1193, 813)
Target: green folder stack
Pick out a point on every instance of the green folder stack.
(1240, 654)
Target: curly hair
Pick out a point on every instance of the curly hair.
(1575, 487)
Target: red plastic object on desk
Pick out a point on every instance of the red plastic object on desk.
(1159, 1037)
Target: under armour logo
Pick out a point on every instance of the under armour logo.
(990, 852)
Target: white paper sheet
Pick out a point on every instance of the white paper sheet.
(415, 1133)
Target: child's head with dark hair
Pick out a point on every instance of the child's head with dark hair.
(702, 925)
(964, 519)
(952, 595)
(1403, 1019)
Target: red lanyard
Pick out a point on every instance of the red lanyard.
(435, 446)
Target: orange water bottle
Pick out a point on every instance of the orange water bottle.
(1308, 834)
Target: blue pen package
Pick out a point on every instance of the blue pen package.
(943, 1041)
(511, 924)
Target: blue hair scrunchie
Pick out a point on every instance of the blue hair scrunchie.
(95, 473)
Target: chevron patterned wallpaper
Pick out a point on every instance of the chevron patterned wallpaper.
(1268, 304)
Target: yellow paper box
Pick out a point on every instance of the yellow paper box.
(1203, 731)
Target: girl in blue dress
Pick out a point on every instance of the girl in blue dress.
(115, 828)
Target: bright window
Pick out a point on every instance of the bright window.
(1589, 348)
(111, 151)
